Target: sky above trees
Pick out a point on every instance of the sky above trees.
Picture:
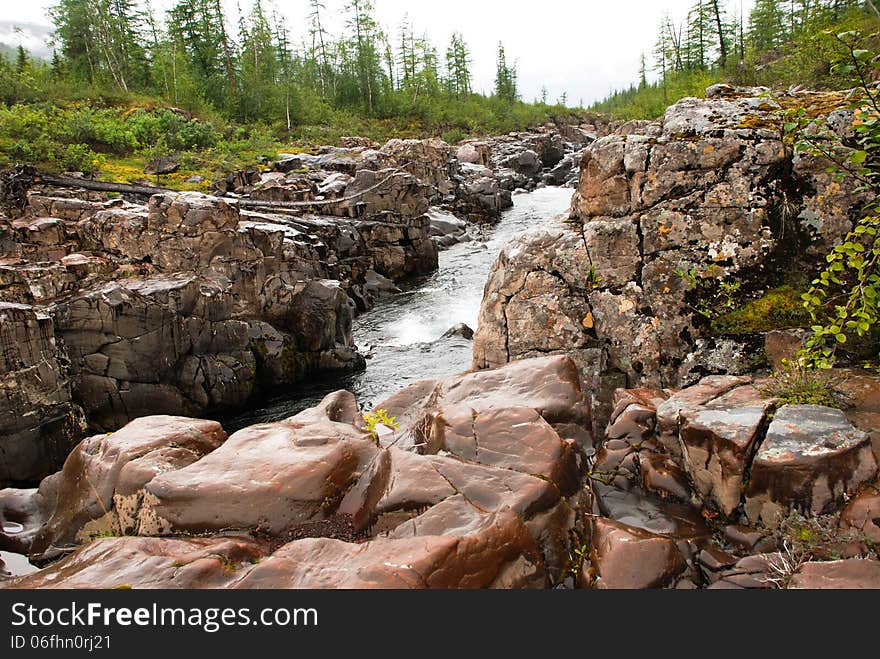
(583, 48)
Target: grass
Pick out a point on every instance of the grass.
(795, 384)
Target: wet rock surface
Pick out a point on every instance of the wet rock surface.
(482, 504)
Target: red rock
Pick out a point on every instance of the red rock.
(272, 477)
(148, 563)
(624, 557)
(717, 449)
(489, 550)
(855, 574)
(100, 488)
(515, 438)
(685, 404)
(862, 514)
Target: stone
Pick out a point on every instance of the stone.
(295, 472)
(476, 559)
(810, 460)
(625, 557)
(149, 563)
(162, 165)
(717, 447)
(101, 488)
(862, 514)
(460, 330)
(854, 574)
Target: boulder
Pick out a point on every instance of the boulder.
(855, 574)
(624, 557)
(102, 487)
(273, 478)
(496, 551)
(811, 459)
(162, 165)
(149, 563)
(717, 446)
(862, 514)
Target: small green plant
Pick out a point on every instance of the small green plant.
(377, 418)
(713, 296)
(593, 279)
(574, 564)
(796, 384)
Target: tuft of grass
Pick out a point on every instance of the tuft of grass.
(795, 384)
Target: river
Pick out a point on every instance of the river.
(402, 335)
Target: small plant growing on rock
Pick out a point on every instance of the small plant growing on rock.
(795, 384)
(377, 418)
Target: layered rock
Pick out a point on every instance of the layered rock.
(39, 422)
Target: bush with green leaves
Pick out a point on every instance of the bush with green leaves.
(843, 300)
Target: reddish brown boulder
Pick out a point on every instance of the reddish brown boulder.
(624, 557)
(272, 477)
(515, 438)
(683, 405)
(149, 563)
(856, 574)
(718, 445)
(495, 550)
(862, 514)
(100, 489)
(811, 459)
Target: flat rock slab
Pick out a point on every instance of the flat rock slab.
(856, 574)
(717, 446)
(811, 459)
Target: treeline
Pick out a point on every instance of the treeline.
(780, 42)
(252, 67)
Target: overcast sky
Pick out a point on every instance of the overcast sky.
(585, 48)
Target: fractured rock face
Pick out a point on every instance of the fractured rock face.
(39, 423)
(811, 459)
(696, 195)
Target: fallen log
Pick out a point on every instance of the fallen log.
(124, 188)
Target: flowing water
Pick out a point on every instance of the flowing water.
(402, 335)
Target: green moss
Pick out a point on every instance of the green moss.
(780, 308)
